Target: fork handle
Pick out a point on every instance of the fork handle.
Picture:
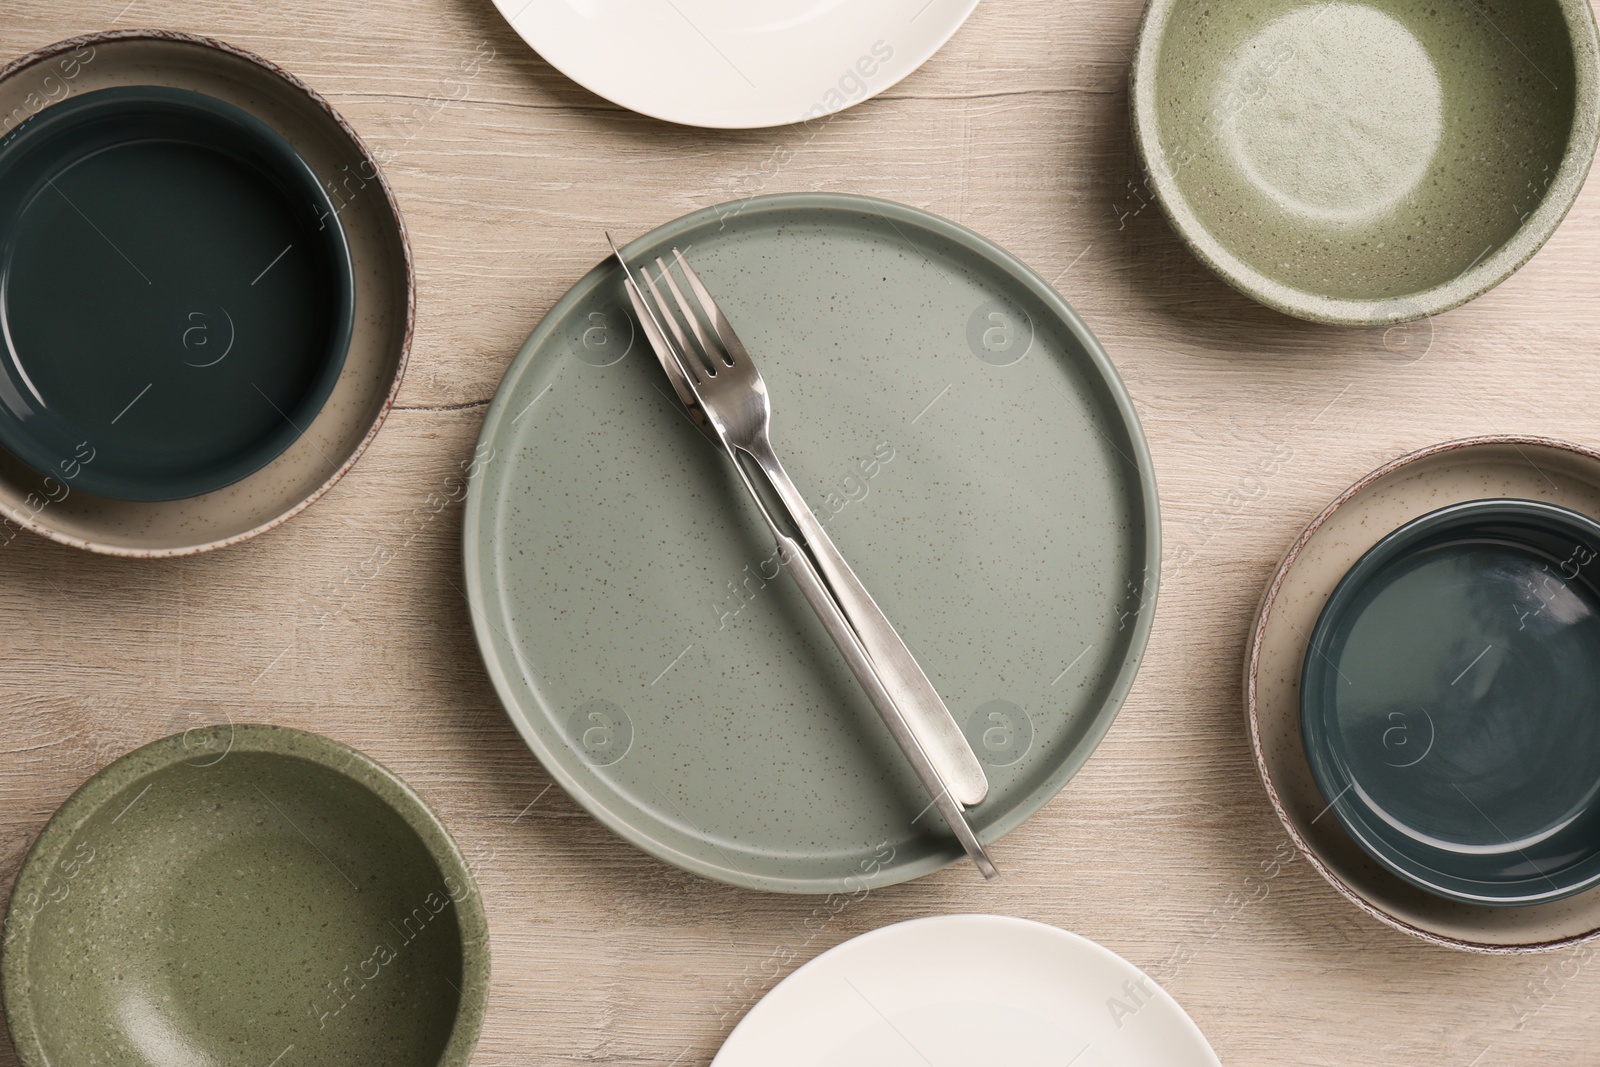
(806, 576)
(803, 569)
(924, 711)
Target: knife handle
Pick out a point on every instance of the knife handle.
(803, 569)
(817, 594)
(925, 711)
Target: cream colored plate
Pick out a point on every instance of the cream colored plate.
(736, 65)
(1526, 467)
(967, 989)
(384, 298)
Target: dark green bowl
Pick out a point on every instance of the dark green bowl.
(176, 293)
(1450, 702)
(250, 895)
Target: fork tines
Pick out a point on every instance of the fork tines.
(715, 344)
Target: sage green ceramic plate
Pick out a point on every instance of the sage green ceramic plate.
(971, 450)
(245, 894)
(1365, 163)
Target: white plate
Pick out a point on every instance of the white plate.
(736, 64)
(958, 990)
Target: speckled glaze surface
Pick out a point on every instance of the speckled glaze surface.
(1526, 468)
(971, 450)
(384, 298)
(245, 894)
(1361, 163)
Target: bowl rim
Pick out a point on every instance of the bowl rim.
(1325, 752)
(1252, 680)
(1480, 277)
(196, 747)
(392, 207)
(294, 175)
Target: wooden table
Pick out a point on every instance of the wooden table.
(1019, 129)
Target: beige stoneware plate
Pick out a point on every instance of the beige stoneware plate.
(1530, 468)
(379, 343)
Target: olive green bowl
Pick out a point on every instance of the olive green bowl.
(1366, 163)
(245, 895)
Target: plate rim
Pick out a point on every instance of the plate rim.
(1117, 693)
(1041, 930)
(408, 334)
(704, 123)
(105, 784)
(1252, 668)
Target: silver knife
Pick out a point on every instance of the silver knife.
(817, 590)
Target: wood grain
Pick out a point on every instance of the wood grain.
(1019, 129)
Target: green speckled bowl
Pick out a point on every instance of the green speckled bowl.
(1366, 163)
(245, 894)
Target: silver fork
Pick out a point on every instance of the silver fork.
(734, 395)
(727, 400)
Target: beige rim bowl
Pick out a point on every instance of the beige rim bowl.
(385, 298)
(1529, 468)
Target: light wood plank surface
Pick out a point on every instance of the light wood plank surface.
(1018, 129)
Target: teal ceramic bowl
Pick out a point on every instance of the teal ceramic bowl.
(1450, 702)
(176, 293)
(1366, 163)
(245, 895)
